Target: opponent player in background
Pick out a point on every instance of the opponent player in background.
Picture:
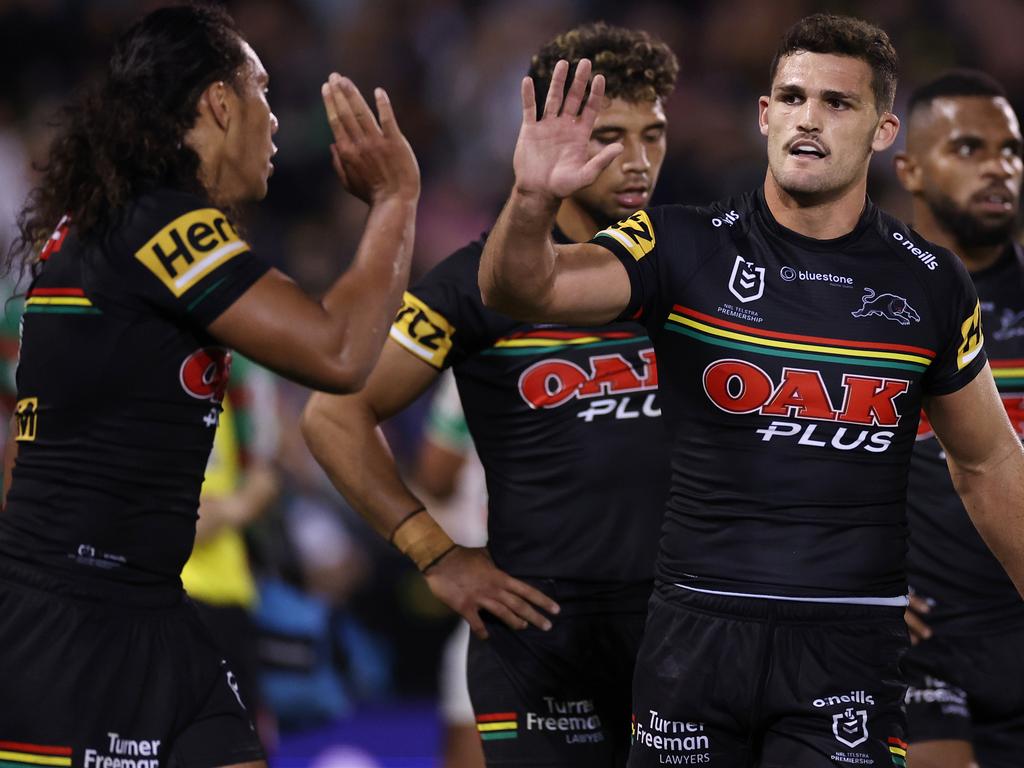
(799, 330)
(122, 371)
(965, 705)
(566, 422)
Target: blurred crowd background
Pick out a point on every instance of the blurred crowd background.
(348, 624)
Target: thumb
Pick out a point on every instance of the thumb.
(595, 165)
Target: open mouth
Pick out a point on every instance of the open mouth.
(808, 149)
(632, 197)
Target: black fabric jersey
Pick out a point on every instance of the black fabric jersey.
(792, 372)
(119, 391)
(566, 422)
(948, 563)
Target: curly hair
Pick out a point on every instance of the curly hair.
(845, 36)
(636, 66)
(125, 134)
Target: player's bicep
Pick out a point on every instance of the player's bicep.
(276, 324)
(591, 286)
(972, 424)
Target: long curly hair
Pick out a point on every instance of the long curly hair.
(125, 134)
(636, 66)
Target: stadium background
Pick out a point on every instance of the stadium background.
(371, 634)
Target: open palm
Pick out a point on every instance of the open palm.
(552, 155)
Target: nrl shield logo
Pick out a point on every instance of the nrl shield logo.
(850, 727)
(747, 281)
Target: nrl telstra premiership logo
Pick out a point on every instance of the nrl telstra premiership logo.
(747, 281)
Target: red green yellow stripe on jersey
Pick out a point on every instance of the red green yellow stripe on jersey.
(554, 340)
(498, 725)
(898, 752)
(17, 754)
(61, 301)
(1009, 374)
(723, 333)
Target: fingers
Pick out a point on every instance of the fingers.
(595, 100)
(574, 98)
(593, 167)
(339, 166)
(503, 613)
(529, 93)
(553, 103)
(388, 123)
(476, 624)
(918, 629)
(535, 596)
(525, 611)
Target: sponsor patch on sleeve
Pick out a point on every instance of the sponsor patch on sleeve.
(971, 339)
(635, 234)
(191, 247)
(423, 331)
(26, 413)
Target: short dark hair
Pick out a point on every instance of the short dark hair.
(846, 36)
(636, 66)
(125, 134)
(955, 82)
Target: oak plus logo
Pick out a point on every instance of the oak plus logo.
(611, 384)
(747, 280)
(740, 387)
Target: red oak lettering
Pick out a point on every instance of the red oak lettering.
(551, 383)
(737, 386)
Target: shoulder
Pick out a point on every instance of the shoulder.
(177, 236)
(924, 257)
(460, 267)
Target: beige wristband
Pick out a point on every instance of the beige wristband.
(421, 539)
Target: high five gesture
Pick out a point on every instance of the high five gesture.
(552, 157)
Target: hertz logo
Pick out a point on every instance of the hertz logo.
(26, 414)
(190, 247)
(423, 331)
(635, 234)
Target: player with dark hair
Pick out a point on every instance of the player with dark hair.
(799, 330)
(965, 705)
(135, 296)
(566, 423)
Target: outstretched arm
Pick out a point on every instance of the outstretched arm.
(343, 434)
(986, 462)
(522, 272)
(332, 344)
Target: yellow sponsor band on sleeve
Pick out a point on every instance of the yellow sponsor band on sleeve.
(972, 339)
(635, 234)
(423, 331)
(191, 247)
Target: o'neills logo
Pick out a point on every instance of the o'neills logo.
(853, 697)
(925, 257)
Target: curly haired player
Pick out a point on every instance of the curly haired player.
(565, 419)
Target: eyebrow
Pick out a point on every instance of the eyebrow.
(620, 128)
(799, 90)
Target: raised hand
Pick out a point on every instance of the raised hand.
(373, 160)
(467, 581)
(552, 157)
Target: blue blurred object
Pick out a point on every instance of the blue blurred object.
(299, 681)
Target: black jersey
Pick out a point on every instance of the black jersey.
(792, 372)
(566, 422)
(119, 391)
(948, 563)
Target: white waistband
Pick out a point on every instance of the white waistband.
(899, 602)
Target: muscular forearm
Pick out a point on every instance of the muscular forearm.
(993, 494)
(517, 268)
(344, 437)
(369, 292)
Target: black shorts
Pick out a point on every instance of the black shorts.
(558, 698)
(93, 684)
(969, 689)
(736, 682)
